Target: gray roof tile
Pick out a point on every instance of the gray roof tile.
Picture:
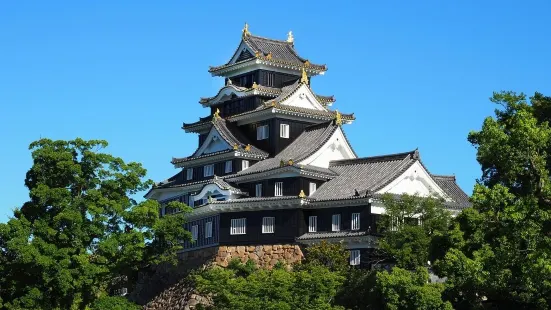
(450, 187)
(363, 174)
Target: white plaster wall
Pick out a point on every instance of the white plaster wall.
(336, 148)
(304, 98)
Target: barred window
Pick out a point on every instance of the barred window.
(268, 225)
(258, 190)
(284, 131)
(228, 167)
(208, 230)
(189, 174)
(194, 232)
(336, 222)
(312, 224)
(278, 189)
(262, 132)
(208, 170)
(238, 226)
(355, 257)
(313, 187)
(355, 221)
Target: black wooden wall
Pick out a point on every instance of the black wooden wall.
(219, 170)
(264, 78)
(202, 240)
(325, 217)
(291, 186)
(286, 227)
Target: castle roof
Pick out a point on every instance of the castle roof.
(272, 52)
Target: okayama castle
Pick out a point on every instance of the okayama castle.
(274, 166)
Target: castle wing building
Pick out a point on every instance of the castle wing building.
(274, 166)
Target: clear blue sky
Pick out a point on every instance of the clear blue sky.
(415, 73)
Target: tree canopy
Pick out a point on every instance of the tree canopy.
(81, 232)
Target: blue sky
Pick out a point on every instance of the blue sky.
(415, 73)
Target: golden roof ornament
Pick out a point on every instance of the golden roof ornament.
(338, 118)
(257, 54)
(307, 63)
(274, 103)
(255, 86)
(269, 56)
(290, 37)
(290, 162)
(248, 147)
(302, 194)
(246, 32)
(216, 114)
(304, 78)
(235, 146)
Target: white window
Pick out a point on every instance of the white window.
(228, 167)
(189, 174)
(355, 257)
(208, 170)
(262, 132)
(284, 130)
(313, 187)
(258, 190)
(244, 164)
(336, 222)
(194, 232)
(268, 225)
(238, 226)
(278, 189)
(312, 224)
(191, 202)
(208, 230)
(355, 221)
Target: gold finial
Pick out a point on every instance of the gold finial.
(290, 37)
(246, 32)
(216, 114)
(269, 56)
(274, 103)
(257, 54)
(290, 162)
(304, 78)
(235, 146)
(307, 63)
(338, 118)
(248, 147)
(302, 194)
(255, 86)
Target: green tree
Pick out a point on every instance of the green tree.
(502, 256)
(113, 303)
(330, 255)
(404, 289)
(244, 287)
(413, 229)
(81, 231)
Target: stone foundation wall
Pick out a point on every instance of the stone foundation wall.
(263, 255)
(182, 295)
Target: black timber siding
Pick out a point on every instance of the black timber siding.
(238, 105)
(219, 170)
(286, 227)
(291, 186)
(325, 217)
(202, 240)
(275, 79)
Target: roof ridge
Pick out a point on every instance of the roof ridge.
(443, 176)
(283, 42)
(378, 158)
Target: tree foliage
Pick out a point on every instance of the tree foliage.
(113, 303)
(503, 254)
(245, 287)
(413, 229)
(81, 232)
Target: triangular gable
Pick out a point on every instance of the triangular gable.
(213, 143)
(335, 148)
(415, 181)
(243, 47)
(303, 97)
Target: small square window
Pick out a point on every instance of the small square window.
(208, 170)
(278, 191)
(228, 166)
(262, 132)
(313, 188)
(336, 222)
(312, 224)
(355, 257)
(268, 225)
(284, 131)
(194, 232)
(258, 190)
(208, 230)
(238, 226)
(244, 164)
